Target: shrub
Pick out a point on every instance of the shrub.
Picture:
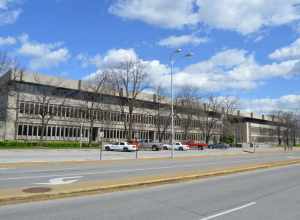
(46, 144)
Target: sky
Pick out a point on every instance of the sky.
(249, 49)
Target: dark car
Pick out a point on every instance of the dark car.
(218, 146)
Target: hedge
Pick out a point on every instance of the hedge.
(54, 144)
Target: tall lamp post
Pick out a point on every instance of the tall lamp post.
(172, 62)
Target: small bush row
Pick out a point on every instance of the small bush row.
(54, 144)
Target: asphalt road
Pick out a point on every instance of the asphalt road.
(269, 194)
(56, 173)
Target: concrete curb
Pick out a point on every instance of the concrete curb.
(79, 190)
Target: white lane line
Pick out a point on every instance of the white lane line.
(229, 211)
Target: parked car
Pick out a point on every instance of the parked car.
(150, 145)
(218, 146)
(120, 146)
(196, 145)
(176, 146)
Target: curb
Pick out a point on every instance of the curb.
(20, 197)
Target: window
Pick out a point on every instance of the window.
(35, 131)
(30, 130)
(36, 108)
(25, 130)
(49, 132)
(22, 107)
(57, 131)
(20, 129)
(26, 108)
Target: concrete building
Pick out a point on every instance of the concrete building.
(35, 105)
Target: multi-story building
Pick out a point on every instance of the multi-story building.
(35, 106)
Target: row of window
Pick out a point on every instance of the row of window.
(34, 108)
(68, 132)
(61, 132)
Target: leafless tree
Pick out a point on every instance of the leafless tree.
(230, 120)
(187, 104)
(97, 86)
(162, 118)
(50, 101)
(209, 117)
(278, 119)
(128, 80)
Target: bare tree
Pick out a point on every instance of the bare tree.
(230, 121)
(162, 118)
(278, 118)
(209, 117)
(50, 101)
(128, 79)
(187, 104)
(93, 104)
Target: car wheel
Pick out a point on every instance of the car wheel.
(165, 148)
(154, 148)
(125, 149)
(180, 149)
(107, 148)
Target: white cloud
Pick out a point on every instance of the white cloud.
(112, 58)
(233, 69)
(290, 52)
(43, 55)
(178, 41)
(238, 15)
(7, 40)
(157, 72)
(167, 13)
(9, 13)
(268, 105)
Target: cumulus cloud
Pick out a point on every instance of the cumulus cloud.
(6, 41)
(231, 69)
(178, 41)
(290, 52)
(167, 13)
(242, 16)
(43, 55)
(112, 58)
(9, 12)
(289, 102)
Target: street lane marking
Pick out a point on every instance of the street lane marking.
(62, 180)
(229, 211)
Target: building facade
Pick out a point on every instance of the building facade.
(35, 106)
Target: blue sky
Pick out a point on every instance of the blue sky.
(250, 49)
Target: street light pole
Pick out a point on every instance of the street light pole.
(172, 61)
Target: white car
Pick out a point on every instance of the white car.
(177, 146)
(120, 146)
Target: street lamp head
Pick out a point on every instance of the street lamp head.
(179, 50)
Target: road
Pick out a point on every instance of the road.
(268, 194)
(25, 177)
